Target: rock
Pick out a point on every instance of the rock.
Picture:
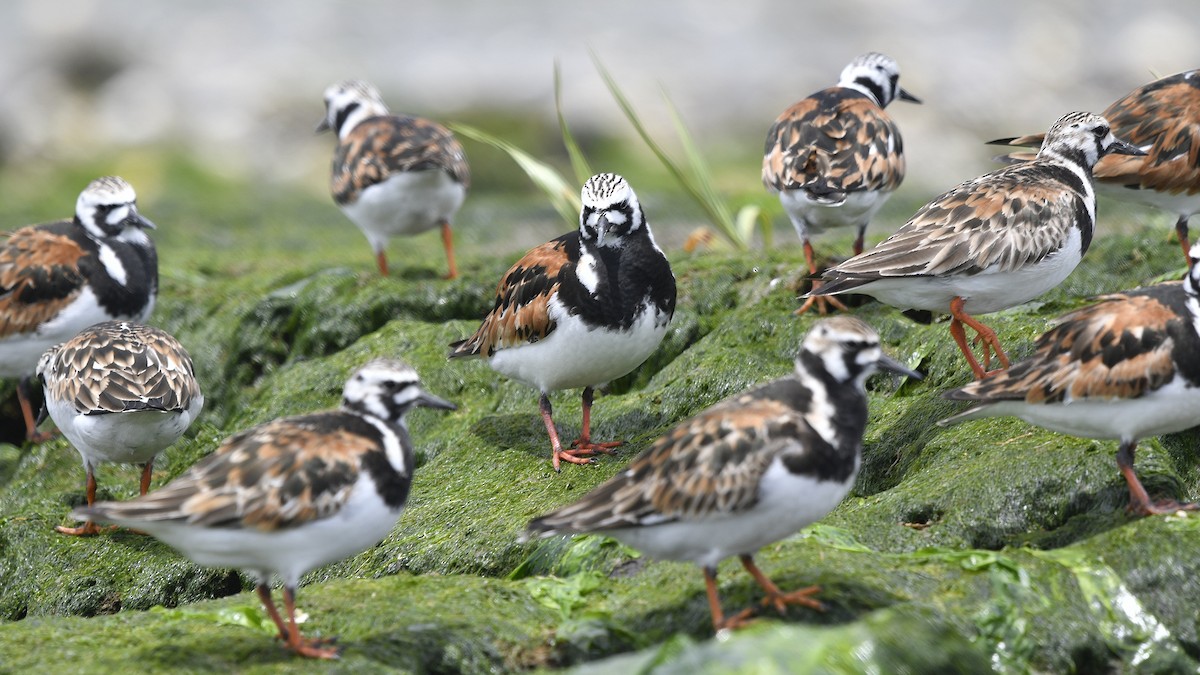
(988, 544)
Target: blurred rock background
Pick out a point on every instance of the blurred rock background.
(238, 84)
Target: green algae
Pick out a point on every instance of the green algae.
(987, 545)
(395, 624)
(882, 642)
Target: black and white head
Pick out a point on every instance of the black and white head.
(388, 389)
(348, 103)
(107, 207)
(1084, 138)
(847, 350)
(878, 76)
(610, 211)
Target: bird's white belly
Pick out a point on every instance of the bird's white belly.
(787, 503)
(988, 291)
(811, 216)
(407, 203)
(360, 524)
(1170, 409)
(19, 354)
(574, 355)
(122, 438)
(1183, 203)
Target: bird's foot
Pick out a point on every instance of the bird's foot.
(88, 529)
(36, 437)
(586, 446)
(737, 621)
(569, 456)
(802, 596)
(315, 648)
(825, 304)
(1161, 507)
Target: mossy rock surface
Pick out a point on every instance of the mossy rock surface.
(987, 545)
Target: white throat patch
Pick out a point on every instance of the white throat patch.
(112, 264)
(585, 270)
(819, 415)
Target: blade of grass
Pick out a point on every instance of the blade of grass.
(563, 196)
(713, 208)
(579, 163)
(700, 173)
(747, 217)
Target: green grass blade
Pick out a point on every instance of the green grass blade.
(579, 163)
(701, 176)
(631, 115)
(563, 196)
(717, 214)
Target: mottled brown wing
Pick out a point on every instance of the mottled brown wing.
(707, 466)
(381, 147)
(117, 367)
(1119, 348)
(1032, 141)
(521, 314)
(847, 146)
(277, 476)
(1162, 118)
(39, 277)
(1002, 220)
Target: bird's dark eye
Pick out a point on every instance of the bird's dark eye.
(1100, 132)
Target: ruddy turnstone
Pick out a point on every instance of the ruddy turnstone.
(120, 392)
(993, 242)
(746, 472)
(293, 494)
(835, 157)
(58, 278)
(581, 309)
(393, 174)
(1163, 119)
(1123, 369)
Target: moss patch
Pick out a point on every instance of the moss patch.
(987, 543)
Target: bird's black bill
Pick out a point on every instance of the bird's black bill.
(892, 365)
(430, 401)
(905, 96)
(1120, 147)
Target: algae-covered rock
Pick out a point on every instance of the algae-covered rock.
(992, 544)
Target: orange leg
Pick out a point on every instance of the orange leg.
(1181, 231)
(858, 241)
(777, 597)
(296, 643)
(557, 454)
(1139, 499)
(584, 445)
(984, 334)
(89, 528)
(264, 594)
(147, 471)
(719, 620)
(31, 433)
(823, 302)
(448, 243)
(382, 262)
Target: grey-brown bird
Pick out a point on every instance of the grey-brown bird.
(1163, 119)
(835, 157)
(393, 174)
